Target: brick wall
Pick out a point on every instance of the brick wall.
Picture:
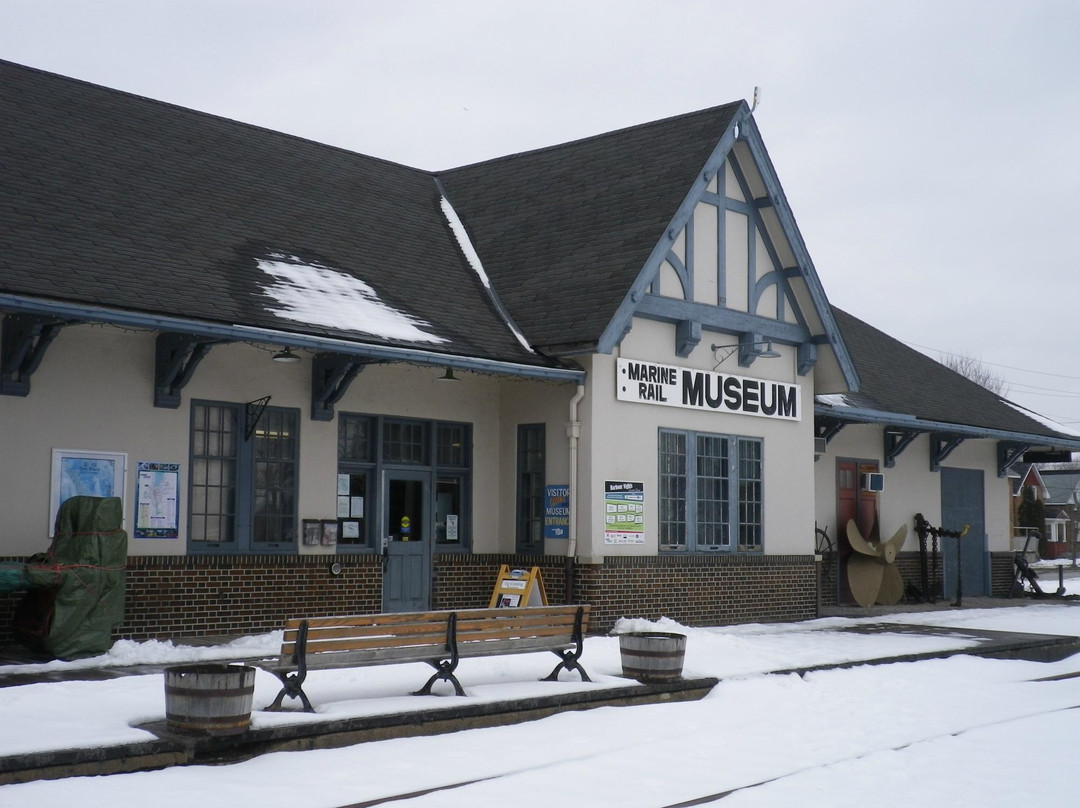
(700, 590)
(178, 596)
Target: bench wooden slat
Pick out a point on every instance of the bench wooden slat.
(373, 639)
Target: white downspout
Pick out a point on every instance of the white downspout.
(573, 433)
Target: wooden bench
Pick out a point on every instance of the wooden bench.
(438, 638)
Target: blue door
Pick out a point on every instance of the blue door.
(408, 530)
(962, 504)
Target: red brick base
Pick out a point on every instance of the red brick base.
(195, 596)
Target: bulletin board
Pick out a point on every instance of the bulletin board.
(518, 587)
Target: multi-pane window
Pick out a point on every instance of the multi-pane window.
(405, 442)
(452, 474)
(244, 478)
(215, 460)
(367, 443)
(710, 492)
(530, 488)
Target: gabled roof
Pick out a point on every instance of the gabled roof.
(572, 235)
(564, 231)
(903, 388)
(118, 201)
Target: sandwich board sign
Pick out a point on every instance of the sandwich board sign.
(518, 587)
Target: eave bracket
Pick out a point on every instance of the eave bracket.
(1009, 453)
(331, 375)
(895, 443)
(175, 358)
(24, 339)
(941, 446)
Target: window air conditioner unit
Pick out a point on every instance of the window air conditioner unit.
(873, 482)
(820, 445)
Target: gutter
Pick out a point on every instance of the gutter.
(244, 333)
(911, 422)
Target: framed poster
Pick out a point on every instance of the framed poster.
(157, 497)
(77, 473)
(329, 532)
(312, 530)
(624, 512)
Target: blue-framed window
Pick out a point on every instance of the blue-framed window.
(244, 483)
(369, 443)
(710, 492)
(531, 461)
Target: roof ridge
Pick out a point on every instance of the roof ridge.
(597, 136)
(214, 116)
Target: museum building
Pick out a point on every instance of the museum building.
(325, 383)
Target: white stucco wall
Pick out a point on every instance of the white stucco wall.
(622, 443)
(94, 392)
(910, 486)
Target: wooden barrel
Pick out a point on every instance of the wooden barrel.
(209, 699)
(652, 656)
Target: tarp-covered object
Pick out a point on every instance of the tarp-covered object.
(83, 572)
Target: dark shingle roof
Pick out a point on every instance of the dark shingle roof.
(898, 379)
(564, 231)
(117, 200)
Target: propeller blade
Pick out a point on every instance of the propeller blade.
(890, 548)
(864, 578)
(858, 543)
(892, 586)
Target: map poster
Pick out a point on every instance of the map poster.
(624, 512)
(157, 495)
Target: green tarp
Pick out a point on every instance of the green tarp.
(84, 569)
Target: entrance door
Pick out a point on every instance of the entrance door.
(962, 504)
(851, 503)
(408, 528)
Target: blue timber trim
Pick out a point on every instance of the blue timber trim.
(754, 143)
(714, 318)
(1008, 454)
(757, 225)
(175, 358)
(687, 337)
(622, 320)
(292, 339)
(942, 445)
(24, 338)
(895, 443)
(685, 276)
(806, 357)
(721, 237)
(860, 415)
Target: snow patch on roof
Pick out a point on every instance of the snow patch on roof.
(1042, 419)
(473, 258)
(834, 400)
(320, 295)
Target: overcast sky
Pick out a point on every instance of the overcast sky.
(928, 149)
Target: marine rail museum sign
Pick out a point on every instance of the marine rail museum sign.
(674, 386)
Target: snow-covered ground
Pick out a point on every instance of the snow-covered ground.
(963, 731)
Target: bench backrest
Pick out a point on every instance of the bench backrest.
(538, 626)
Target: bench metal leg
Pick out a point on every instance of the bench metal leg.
(444, 669)
(570, 658)
(293, 688)
(293, 683)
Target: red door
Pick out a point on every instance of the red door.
(853, 503)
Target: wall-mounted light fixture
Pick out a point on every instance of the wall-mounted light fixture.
(448, 376)
(748, 351)
(286, 356)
